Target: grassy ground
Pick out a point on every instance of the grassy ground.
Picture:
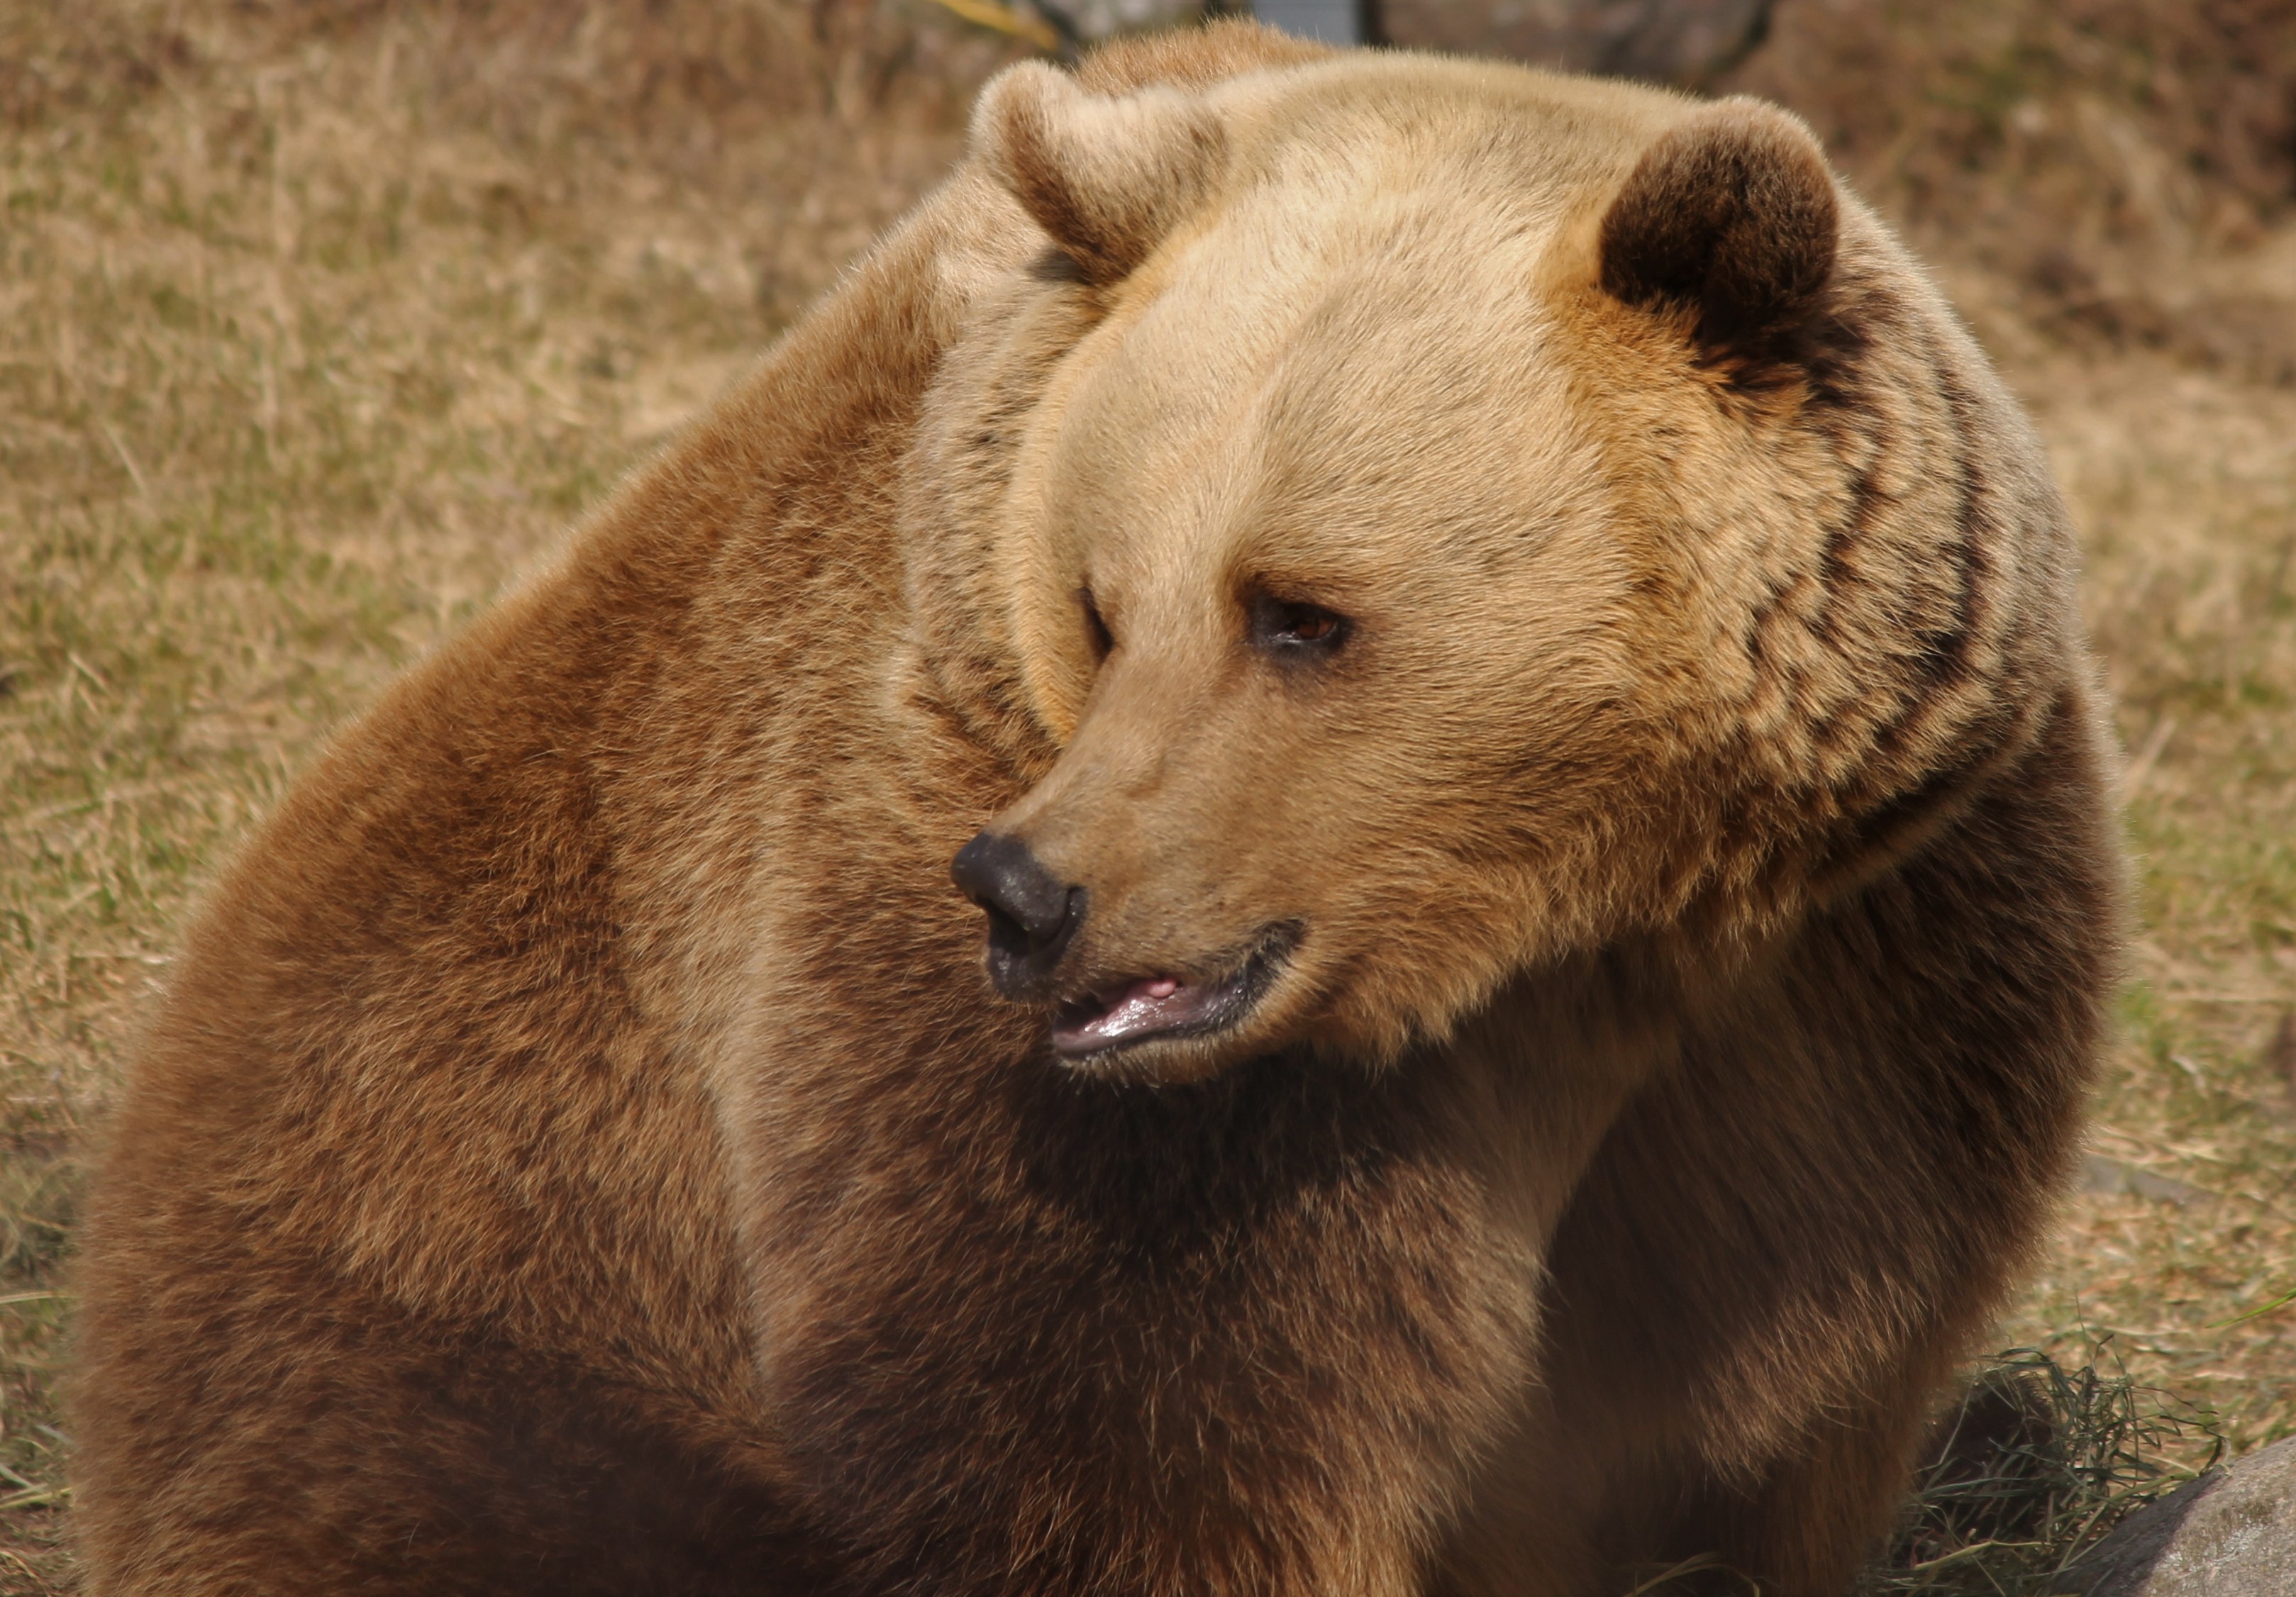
(2186, 1238)
(316, 321)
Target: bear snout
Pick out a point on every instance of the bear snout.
(1033, 915)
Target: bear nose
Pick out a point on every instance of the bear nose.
(1032, 913)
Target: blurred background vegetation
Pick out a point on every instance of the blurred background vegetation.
(320, 319)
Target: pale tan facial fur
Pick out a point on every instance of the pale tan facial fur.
(1212, 453)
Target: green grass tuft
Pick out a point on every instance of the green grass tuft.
(2032, 1467)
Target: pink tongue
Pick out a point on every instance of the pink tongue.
(1154, 1003)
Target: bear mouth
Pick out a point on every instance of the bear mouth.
(1155, 1008)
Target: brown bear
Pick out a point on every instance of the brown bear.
(1507, 680)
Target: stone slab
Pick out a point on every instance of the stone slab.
(1685, 42)
(2230, 1534)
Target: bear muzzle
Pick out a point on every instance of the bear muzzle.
(1034, 918)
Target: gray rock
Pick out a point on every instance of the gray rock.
(2103, 1174)
(1097, 20)
(1102, 19)
(1334, 21)
(1685, 42)
(2230, 1534)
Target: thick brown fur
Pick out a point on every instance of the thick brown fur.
(582, 1152)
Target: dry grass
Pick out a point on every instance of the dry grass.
(2110, 160)
(2036, 1464)
(2186, 486)
(320, 319)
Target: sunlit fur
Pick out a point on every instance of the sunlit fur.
(582, 1152)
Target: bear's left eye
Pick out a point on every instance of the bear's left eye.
(1096, 629)
(1292, 627)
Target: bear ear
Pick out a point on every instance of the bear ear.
(1107, 177)
(1730, 220)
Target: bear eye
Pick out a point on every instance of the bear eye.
(1094, 628)
(1288, 626)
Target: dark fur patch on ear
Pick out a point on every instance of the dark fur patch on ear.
(1108, 176)
(1056, 264)
(1730, 216)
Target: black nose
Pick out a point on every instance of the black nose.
(1032, 913)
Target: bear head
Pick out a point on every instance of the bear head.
(1412, 522)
